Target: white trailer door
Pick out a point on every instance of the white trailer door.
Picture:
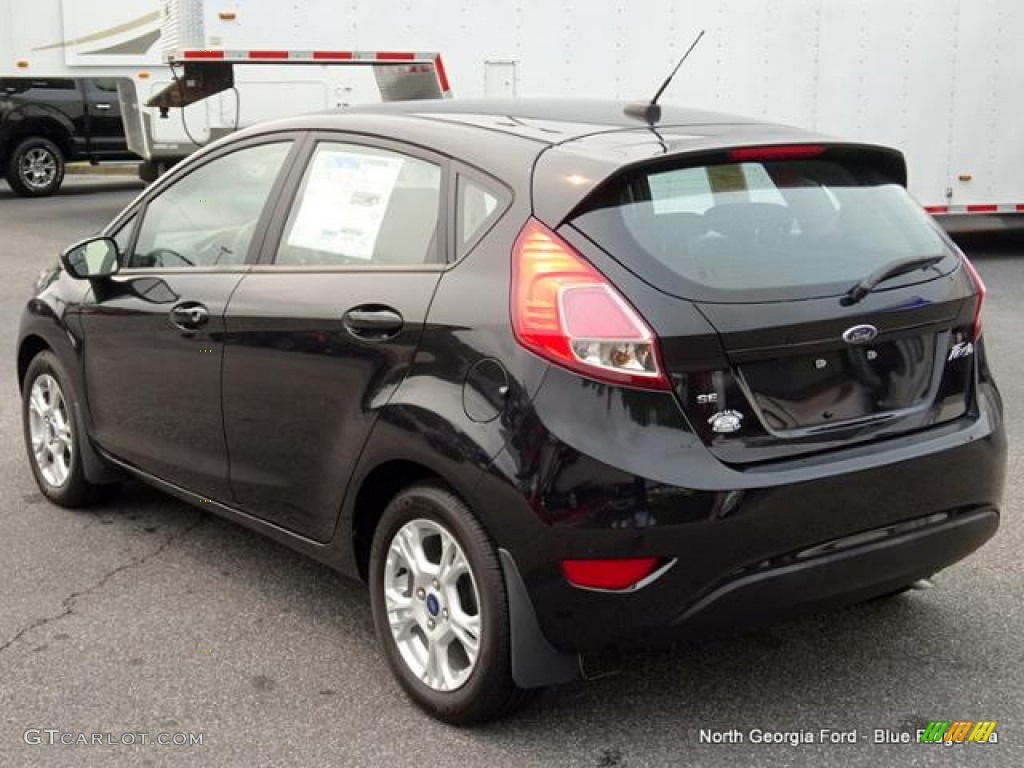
(885, 76)
(987, 120)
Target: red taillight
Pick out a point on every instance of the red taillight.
(567, 312)
(609, 574)
(784, 152)
(979, 284)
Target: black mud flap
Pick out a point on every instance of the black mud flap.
(535, 662)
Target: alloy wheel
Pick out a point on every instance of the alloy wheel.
(49, 425)
(432, 603)
(38, 168)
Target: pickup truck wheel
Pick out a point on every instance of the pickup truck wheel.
(35, 168)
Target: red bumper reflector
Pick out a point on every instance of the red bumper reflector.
(608, 574)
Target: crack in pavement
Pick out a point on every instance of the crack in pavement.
(68, 603)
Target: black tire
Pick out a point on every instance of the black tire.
(75, 491)
(489, 691)
(42, 155)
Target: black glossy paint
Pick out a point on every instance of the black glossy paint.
(302, 405)
(289, 353)
(153, 387)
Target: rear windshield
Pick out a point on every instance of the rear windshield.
(762, 231)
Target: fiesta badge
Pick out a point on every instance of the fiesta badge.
(725, 422)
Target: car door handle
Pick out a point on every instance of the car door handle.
(190, 316)
(375, 323)
(102, 105)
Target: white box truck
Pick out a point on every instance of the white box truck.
(939, 79)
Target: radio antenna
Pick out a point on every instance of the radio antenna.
(651, 111)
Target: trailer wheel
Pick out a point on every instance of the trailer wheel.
(35, 168)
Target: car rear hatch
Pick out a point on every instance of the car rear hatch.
(768, 244)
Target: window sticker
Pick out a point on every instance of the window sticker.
(344, 202)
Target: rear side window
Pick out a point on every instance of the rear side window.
(14, 85)
(761, 230)
(478, 206)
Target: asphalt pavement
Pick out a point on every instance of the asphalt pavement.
(147, 616)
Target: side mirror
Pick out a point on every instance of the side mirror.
(92, 258)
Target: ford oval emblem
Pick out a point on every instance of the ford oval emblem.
(860, 334)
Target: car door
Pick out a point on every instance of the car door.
(153, 333)
(321, 332)
(106, 127)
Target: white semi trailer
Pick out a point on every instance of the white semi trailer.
(939, 79)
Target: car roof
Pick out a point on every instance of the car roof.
(540, 123)
(550, 121)
(561, 148)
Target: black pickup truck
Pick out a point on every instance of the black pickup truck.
(45, 122)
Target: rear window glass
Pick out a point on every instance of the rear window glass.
(761, 231)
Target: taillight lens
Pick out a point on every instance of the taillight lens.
(567, 312)
(779, 152)
(609, 574)
(979, 284)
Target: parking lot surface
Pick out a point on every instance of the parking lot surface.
(145, 615)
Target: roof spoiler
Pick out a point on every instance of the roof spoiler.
(570, 178)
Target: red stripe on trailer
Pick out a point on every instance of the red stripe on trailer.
(959, 210)
(442, 76)
(268, 54)
(204, 54)
(332, 55)
(395, 56)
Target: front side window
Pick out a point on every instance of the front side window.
(104, 84)
(363, 206)
(207, 218)
(123, 235)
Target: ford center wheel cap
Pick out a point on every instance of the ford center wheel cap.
(433, 604)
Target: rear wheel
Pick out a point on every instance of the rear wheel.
(51, 434)
(440, 608)
(35, 167)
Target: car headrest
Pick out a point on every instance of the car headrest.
(749, 220)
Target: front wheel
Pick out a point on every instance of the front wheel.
(440, 608)
(35, 168)
(51, 434)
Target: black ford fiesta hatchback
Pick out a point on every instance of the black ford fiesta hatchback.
(547, 377)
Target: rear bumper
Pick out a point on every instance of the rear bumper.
(830, 575)
(743, 556)
(841, 573)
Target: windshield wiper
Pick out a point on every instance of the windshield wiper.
(886, 272)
